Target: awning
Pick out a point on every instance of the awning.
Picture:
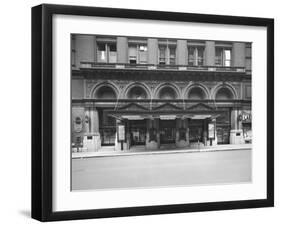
(167, 117)
(164, 116)
(133, 117)
(201, 116)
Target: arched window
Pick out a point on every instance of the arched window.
(224, 94)
(167, 93)
(105, 92)
(137, 92)
(196, 93)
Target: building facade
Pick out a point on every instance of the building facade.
(156, 92)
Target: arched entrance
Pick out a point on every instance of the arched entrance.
(107, 124)
(197, 127)
(223, 122)
(167, 126)
(137, 128)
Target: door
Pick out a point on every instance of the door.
(108, 136)
(137, 132)
(196, 130)
(223, 133)
(167, 131)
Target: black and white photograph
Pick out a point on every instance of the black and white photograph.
(140, 113)
(146, 112)
(150, 112)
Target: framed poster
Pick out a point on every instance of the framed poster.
(144, 110)
(211, 130)
(121, 133)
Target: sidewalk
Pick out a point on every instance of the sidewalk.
(142, 151)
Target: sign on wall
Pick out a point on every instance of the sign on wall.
(245, 116)
(78, 125)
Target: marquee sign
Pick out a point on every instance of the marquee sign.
(168, 117)
(133, 117)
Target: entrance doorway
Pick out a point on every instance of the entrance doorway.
(223, 133)
(137, 132)
(107, 136)
(196, 128)
(167, 131)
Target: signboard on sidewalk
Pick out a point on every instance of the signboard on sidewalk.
(121, 132)
(211, 130)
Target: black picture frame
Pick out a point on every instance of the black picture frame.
(42, 107)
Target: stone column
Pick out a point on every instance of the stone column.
(128, 135)
(152, 47)
(148, 126)
(239, 122)
(87, 120)
(238, 54)
(122, 50)
(92, 140)
(117, 144)
(209, 59)
(150, 144)
(234, 116)
(178, 125)
(215, 141)
(187, 131)
(182, 124)
(181, 53)
(85, 49)
(236, 134)
(205, 132)
(94, 118)
(157, 122)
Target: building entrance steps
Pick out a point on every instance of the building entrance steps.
(168, 146)
(141, 150)
(107, 148)
(196, 145)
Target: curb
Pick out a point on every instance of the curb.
(111, 154)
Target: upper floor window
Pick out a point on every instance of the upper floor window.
(106, 52)
(223, 57)
(167, 54)
(73, 50)
(195, 55)
(138, 54)
(248, 91)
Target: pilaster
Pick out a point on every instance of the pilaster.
(238, 54)
(122, 50)
(85, 49)
(209, 59)
(181, 52)
(152, 46)
(92, 141)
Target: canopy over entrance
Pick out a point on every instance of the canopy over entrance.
(164, 116)
(168, 111)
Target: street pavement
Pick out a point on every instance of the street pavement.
(162, 170)
(140, 150)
